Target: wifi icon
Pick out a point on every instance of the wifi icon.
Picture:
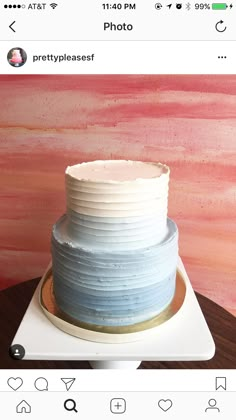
(53, 5)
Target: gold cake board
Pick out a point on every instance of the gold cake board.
(107, 334)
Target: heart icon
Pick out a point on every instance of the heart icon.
(15, 383)
(165, 405)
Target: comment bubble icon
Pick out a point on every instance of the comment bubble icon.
(41, 384)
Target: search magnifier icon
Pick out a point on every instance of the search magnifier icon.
(70, 405)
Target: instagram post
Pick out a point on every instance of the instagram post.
(117, 210)
(117, 221)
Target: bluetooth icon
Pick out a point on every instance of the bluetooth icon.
(188, 6)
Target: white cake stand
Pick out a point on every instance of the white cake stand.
(185, 337)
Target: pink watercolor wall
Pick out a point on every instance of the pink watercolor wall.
(188, 122)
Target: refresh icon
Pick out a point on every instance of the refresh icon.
(220, 27)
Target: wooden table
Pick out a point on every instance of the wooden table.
(14, 301)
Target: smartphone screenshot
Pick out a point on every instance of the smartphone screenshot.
(117, 209)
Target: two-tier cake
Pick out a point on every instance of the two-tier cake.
(114, 253)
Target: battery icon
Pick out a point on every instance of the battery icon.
(219, 6)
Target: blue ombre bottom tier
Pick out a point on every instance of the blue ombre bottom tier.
(113, 287)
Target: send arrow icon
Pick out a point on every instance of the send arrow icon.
(68, 382)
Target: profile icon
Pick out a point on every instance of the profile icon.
(17, 351)
(17, 57)
(212, 406)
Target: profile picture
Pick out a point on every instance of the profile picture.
(17, 57)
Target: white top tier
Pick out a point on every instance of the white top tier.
(116, 171)
(117, 188)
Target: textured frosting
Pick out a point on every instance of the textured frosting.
(113, 288)
(115, 252)
(109, 196)
(113, 233)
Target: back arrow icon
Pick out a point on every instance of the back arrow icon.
(10, 26)
(217, 26)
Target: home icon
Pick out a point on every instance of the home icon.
(23, 407)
